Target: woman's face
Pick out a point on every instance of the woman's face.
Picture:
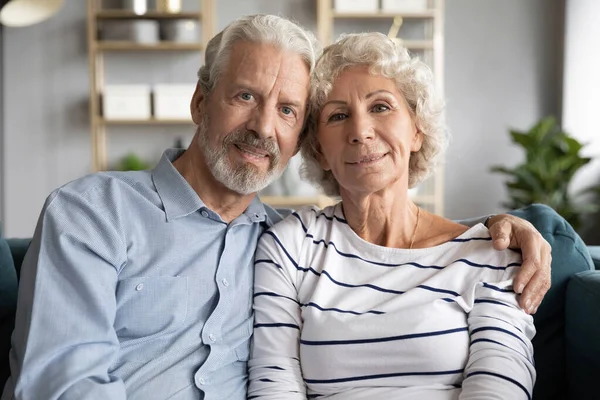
(366, 133)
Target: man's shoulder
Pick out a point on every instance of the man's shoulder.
(101, 187)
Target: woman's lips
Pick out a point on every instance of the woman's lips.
(368, 159)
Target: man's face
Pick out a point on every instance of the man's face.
(250, 123)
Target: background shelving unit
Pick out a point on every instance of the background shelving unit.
(97, 49)
(431, 49)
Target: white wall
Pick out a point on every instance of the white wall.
(581, 101)
(502, 70)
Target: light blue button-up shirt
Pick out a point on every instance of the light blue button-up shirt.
(134, 289)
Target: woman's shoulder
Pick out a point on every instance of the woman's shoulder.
(306, 219)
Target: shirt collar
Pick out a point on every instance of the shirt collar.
(179, 198)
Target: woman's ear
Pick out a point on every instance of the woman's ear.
(417, 140)
(197, 105)
(322, 160)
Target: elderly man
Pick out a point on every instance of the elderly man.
(138, 285)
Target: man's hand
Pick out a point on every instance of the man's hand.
(533, 280)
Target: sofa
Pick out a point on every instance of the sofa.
(567, 343)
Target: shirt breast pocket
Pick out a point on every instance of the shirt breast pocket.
(149, 307)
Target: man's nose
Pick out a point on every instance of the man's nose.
(262, 121)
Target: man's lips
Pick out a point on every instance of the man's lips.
(256, 152)
(369, 158)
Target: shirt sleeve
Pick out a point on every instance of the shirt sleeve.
(64, 341)
(274, 367)
(500, 364)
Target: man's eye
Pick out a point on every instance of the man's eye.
(246, 96)
(287, 110)
(337, 117)
(380, 108)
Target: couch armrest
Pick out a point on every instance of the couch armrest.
(595, 253)
(18, 249)
(582, 332)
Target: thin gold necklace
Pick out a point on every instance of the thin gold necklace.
(412, 240)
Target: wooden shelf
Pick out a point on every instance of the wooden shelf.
(151, 121)
(125, 14)
(132, 46)
(417, 44)
(406, 15)
(297, 201)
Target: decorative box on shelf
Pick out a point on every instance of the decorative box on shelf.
(172, 101)
(141, 31)
(356, 6)
(399, 6)
(126, 102)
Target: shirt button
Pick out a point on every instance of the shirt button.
(204, 214)
(201, 381)
(139, 287)
(212, 337)
(225, 282)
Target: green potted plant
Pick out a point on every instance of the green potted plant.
(132, 162)
(552, 157)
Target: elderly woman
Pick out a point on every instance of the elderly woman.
(376, 298)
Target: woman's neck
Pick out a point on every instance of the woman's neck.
(385, 219)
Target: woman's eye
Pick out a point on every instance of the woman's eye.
(336, 117)
(380, 108)
(245, 96)
(287, 110)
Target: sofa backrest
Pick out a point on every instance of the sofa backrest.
(569, 256)
(8, 304)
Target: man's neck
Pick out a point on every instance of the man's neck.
(225, 202)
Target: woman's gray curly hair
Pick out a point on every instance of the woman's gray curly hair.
(414, 80)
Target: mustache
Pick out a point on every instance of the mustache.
(251, 139)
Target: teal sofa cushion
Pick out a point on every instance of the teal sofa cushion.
(595, 253)
(583, 335)
(569, 256)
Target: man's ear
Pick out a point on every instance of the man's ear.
(197, 105)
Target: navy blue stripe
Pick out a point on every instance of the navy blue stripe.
(381, 264)
(501, 377)
(311, 304)
(448, 300)
(503, 345)
(496, 288)
(365, 285)
(500, 319)
(495, 328)
(322, 214)
(285, 251)
(271, 294)
(457, 240)
(494, 267)
(304, 228)
(382, 376)
(381, 340)
(276, 326)
(437, 290)
(491, 302)
(275, 367)
(267, 261)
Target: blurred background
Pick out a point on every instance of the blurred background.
(106, 85)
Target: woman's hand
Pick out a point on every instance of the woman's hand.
(533, 280)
